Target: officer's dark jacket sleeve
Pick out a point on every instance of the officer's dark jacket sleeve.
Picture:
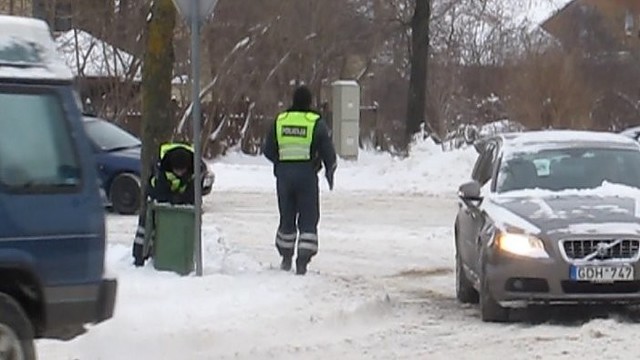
(323, 145)
(162, 191)
(270, 148)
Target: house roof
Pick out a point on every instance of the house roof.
(608, 32)
(89, 56)
(542, 10)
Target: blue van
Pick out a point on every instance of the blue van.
(52, 223)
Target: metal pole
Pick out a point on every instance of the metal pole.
(195, 118)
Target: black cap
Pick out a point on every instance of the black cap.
(302, 98)
(180, 158)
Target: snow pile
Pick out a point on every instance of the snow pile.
(428, 170)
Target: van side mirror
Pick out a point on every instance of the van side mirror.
(470, 192)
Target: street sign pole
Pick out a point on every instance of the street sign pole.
(196, 122)
(195, 13)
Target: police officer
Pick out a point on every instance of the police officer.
(172, 183)
(298, 144)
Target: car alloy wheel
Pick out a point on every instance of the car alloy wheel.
(125, 194)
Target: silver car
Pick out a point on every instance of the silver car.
(550, 217)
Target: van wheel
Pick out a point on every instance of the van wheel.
(125, 194)
(16, 331)
(465, 293)
(490, 309)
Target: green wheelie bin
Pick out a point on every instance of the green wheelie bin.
(173, 236)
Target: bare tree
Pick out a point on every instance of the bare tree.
(416, 104)
(478, 56)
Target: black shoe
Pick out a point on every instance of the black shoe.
(138, 262)
(286, 263)
(301, 266)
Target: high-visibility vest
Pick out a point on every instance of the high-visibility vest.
(176, 184)
(166, 147)
(294, 135)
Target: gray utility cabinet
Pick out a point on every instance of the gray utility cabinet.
(346, 118)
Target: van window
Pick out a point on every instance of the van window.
(36, 148)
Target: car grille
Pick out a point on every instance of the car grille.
(579, 249)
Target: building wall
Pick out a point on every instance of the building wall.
(623, 19)
(597, 25)
(16, 7)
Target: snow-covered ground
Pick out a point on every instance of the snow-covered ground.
(382, 286)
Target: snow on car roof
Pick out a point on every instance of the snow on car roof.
(27, 50)
(535, 140)
(607, 189)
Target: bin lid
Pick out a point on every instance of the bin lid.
(173, 207)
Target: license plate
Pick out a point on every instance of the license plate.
(602, 273)
(208, 181)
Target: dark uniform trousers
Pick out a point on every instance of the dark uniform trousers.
(299, 215)
(138, 252)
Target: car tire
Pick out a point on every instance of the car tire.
(465, 293)
(124, 194)
(16, 331)
(490, 309)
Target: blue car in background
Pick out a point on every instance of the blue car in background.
(118, 157)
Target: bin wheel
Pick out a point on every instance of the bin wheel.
(125, 194)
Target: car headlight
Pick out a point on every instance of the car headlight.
(208, 180)
(521, 244)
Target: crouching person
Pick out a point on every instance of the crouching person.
(172, 183)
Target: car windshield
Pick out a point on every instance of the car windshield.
(570, 168)
(109, 137)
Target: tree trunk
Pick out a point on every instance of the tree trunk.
(418, 77)
(157, 71)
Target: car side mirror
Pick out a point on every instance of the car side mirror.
(470, 192)
(480, 146)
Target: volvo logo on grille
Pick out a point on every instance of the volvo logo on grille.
(602, 249)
